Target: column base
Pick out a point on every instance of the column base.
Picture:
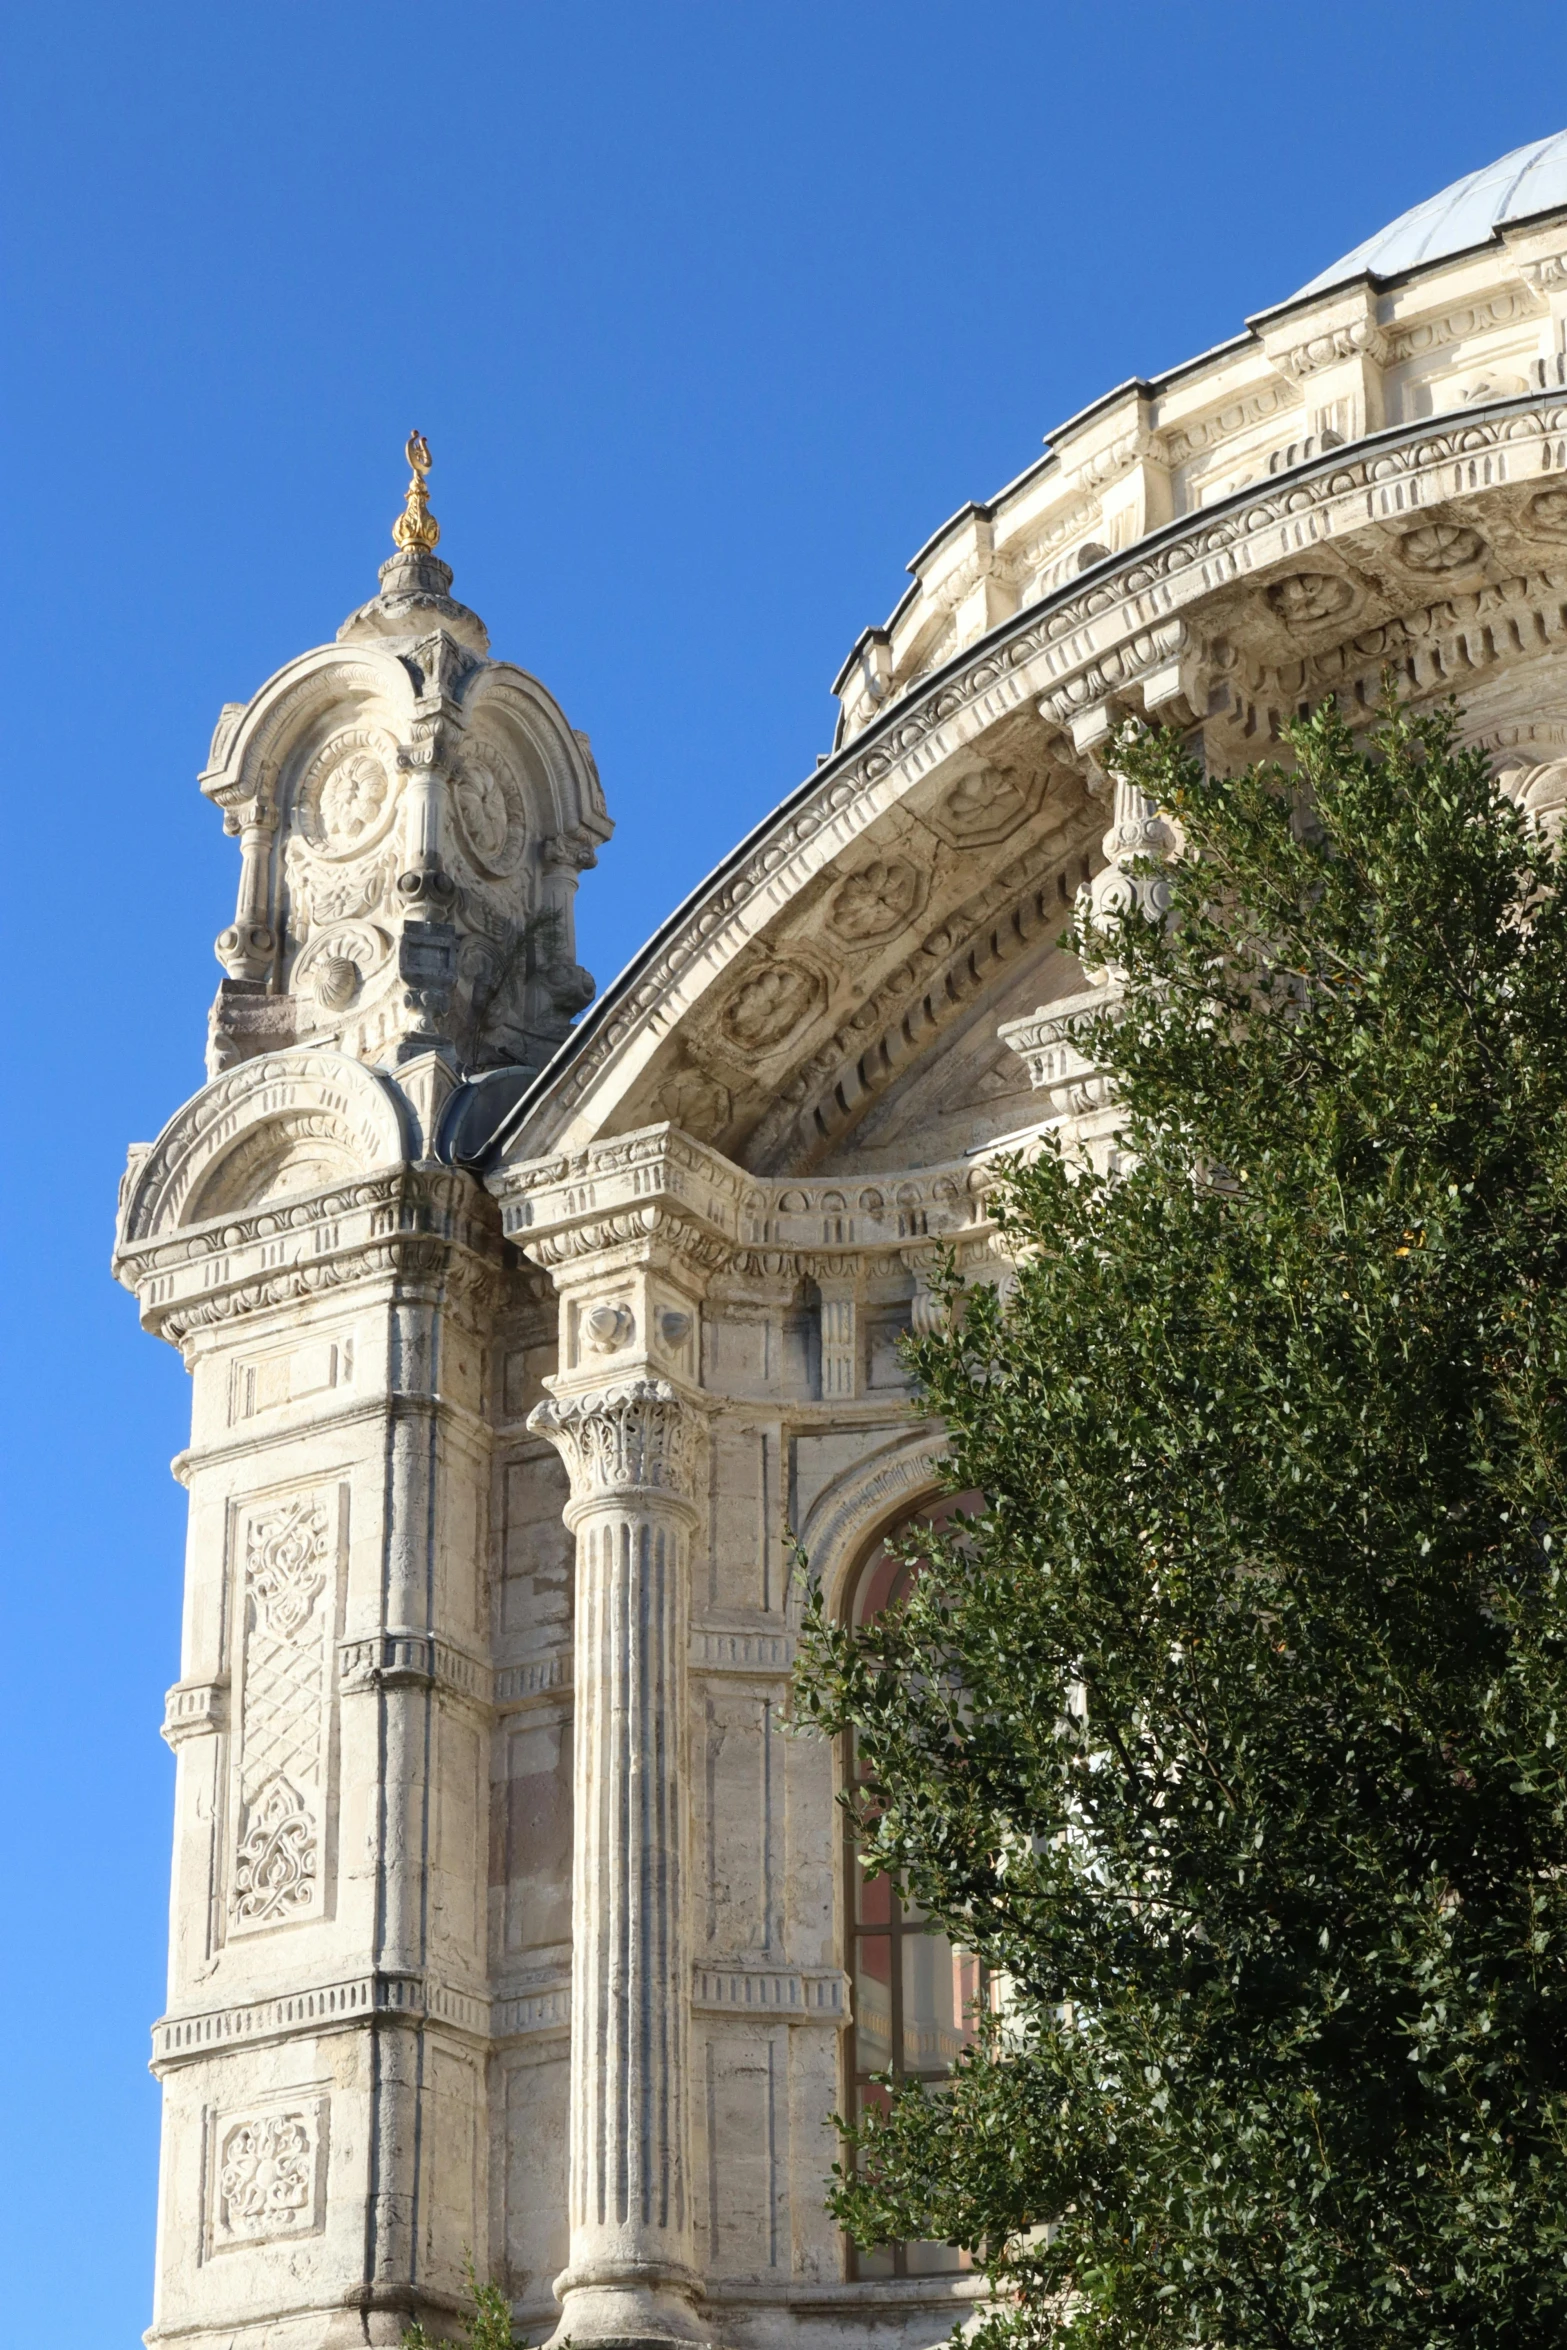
(628, 2306)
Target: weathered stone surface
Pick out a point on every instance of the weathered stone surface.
(505, 1918)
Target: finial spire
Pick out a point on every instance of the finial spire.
(416, 530)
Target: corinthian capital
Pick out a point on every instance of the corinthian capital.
(637, 1441)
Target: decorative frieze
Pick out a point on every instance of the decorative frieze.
(318, 2008)
(818, 1995)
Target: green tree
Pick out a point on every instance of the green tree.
(488, 2327)
(1229, 1733)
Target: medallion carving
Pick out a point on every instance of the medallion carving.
(267, 2175)
(1310, 596)
(1548, 511)
(982, 807)
(876, 900)
(487, 804)
(349, 792)
(771, 1005)
(1441, 546)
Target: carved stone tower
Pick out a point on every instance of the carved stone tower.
(412, 819)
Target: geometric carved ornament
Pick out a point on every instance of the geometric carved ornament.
(288, 1556)
(267, 2174)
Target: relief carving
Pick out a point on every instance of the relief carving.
(770, 1006)
(876, 900)
(488, 808)
(288, 1558)
(639, 1439)
(1548, 511)
(267, 2175)
(1311, 595)
(349, 791)
(275, 1867)
(1441, 546)
(982, 807)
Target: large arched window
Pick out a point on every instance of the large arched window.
(915, 1992)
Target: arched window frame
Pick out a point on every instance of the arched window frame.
(874, 1915)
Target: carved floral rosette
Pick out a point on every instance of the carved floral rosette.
(628, 1443)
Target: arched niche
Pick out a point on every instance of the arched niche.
(278, 1125)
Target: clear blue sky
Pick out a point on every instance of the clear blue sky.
(712, 314)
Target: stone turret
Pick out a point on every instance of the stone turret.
(412, 818)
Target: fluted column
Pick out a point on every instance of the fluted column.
(634, 1452)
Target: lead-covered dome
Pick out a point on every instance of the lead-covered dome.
(1519, 186)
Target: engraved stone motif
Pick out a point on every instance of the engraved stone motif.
(695, 1099)
(1311, 595)
(266, 2183)
(285, 1558)
(275, 1869)
(335, 979)
(488, 810)
(339, 962)
(348, 793)
(607, 1327)
(768, 1007)
(1441, 546)
(982, 806)
(1548, 511)
(353, 797)
(876, 899)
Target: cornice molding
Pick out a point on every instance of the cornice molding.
(413, 1227)
(1395, 478)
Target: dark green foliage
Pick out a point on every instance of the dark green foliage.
(489, 2328)
(1230, 1732)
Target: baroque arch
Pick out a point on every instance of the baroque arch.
(292, 1122)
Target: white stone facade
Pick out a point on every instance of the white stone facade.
(508, 1920)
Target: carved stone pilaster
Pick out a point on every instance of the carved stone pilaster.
(634, 1452)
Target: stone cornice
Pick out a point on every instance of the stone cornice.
(659, 1187)
(408, 1226)
(345, 2005)
(1392, 480)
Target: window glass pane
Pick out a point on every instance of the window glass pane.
(875, 1902)
(933, 2260)
(937, 1992)
(883, 2262)
(873, 2003)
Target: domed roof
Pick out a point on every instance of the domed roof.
(1530, 180)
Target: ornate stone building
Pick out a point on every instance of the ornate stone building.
(507, 1917)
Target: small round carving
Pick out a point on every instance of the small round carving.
(768, 1007)
(334, 979)
(1441, 546)
(674, 1328)
(694, 1099)
(349, 792)
(1311, 596)
(607, 1327)
(984, 800)
(1548, 511)
(877, 899)
(488, 808)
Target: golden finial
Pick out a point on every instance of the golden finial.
(416, 529)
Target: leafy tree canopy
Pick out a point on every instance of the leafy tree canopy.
(1230, 1734)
